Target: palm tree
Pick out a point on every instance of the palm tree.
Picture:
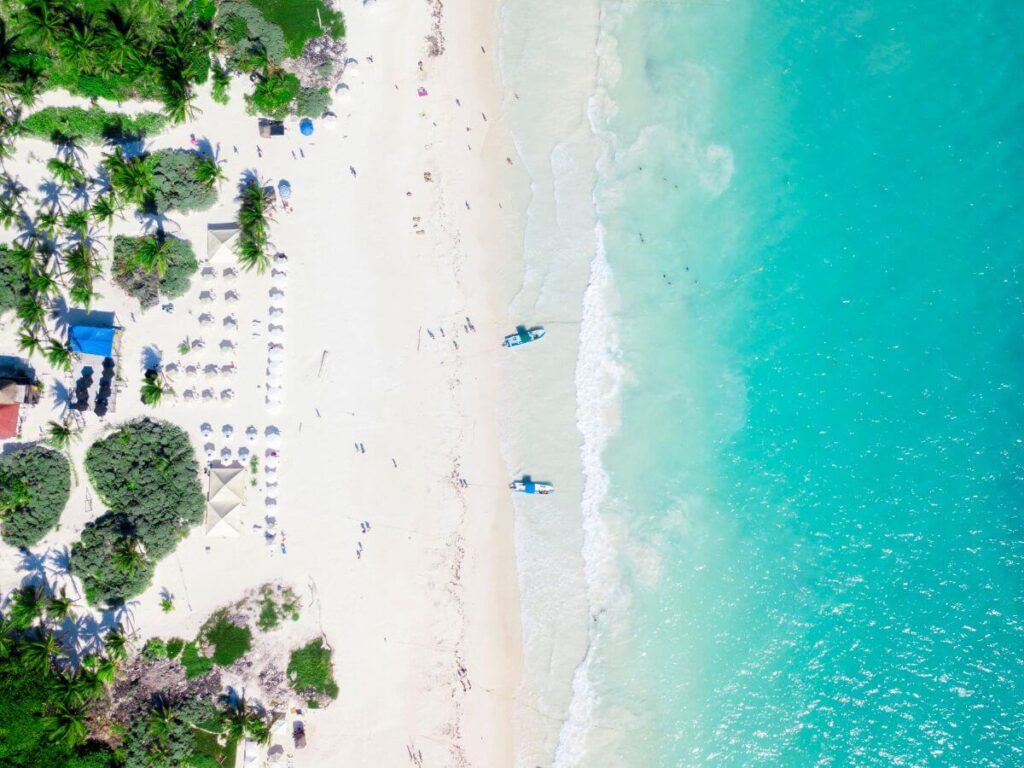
(31, 312)
(39, 652)
(128, 556)
(26, 606)
(66, 173)
(153, 390)
(77, 222)
(66, 724)
(209, 172)
(71, 688)
(7, 642)
(59, 355)
(58, 608)
(43, 284)
(106, 670)
(29, 343)
(152, 255)
(179, 100)
(82, 295)
(104, 209)
(116, 644)
(130, 179)
(42, 21)
(78, 41)
(239, 721)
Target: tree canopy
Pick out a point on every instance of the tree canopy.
(147, 475)
(145, 282)
(34, 486)
(178, 183)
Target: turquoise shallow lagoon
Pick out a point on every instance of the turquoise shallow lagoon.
(812, 216)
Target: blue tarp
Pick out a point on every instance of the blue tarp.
(92, 341)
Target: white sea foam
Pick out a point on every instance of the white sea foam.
(598, 383)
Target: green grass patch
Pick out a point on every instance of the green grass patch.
(174, 647)
(230, 642)
(195, 664)
(91, 126)
(208, 751)
(298, 20)
(310, 670)
(269, 617)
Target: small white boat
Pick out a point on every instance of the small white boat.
(528, 486)
(523, 335)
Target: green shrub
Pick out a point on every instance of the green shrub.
(91, 126)
(195, 664)
(174, 647)
(146, 474)
(268, 618)
(299, 21)
(34, 486)
(230, 642)
(148, 286)
(310, 670)
(312, 102)
(176, 184)
(250, 34)
(93, 556)
(155, 648)
(13, 282)
(274, 95)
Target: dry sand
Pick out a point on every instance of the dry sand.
(380, 283)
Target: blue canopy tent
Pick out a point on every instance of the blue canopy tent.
(87, 340)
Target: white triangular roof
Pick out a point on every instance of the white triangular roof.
(226, 495)
(219, 235)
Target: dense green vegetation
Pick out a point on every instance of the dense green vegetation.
(274, 95)
(299, 21)
(195, 664)
(153, 266)
(147, 475)
(273, 607)
(312, 102)
(114, 49)
(13, 281)
(178, 181)
(53, 713)
(310, 671)
(34, 487)
(254, 214)
(230, 642)
(90, 126)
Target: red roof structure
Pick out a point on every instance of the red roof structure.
(9, 420)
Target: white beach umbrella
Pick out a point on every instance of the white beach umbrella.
(209, 451)
(231, 296)
(274, 398)
(280, 278)
(227, 345)
(270, 473)
(276, 331)
(211, 371)
(205, 319)
(251, 432)
(206, 430)
(243, 453)
(276, 293)
(209, 273)
(275, 367)
(191, 371)
(228, 370)
(207, 394)
(276, 313)
(330, 120)
(198, 343)
(228, 431)
(171, 368)
(272, 460)
(276, 354)
(231, 324)
(206, 297)
(189, 394)
(270, 503)
(230, 273)
(274, 440)
(225, 454)
(271, 491)
(227, 394)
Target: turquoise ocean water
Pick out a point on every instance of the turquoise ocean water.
(812, 216)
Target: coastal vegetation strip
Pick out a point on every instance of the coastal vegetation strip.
(90, 126)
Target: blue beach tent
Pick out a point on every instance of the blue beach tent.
(88, 340)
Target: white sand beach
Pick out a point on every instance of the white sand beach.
(392, 304)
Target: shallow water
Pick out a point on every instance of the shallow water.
(800, 413)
